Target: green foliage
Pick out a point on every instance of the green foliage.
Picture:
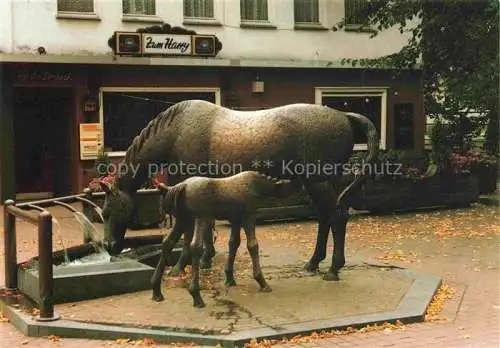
(440, 142)
(457, 42)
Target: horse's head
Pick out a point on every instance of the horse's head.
(118, 213)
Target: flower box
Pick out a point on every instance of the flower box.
(487, 177)
(391, 194)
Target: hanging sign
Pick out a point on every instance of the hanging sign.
(90, 140)
(167, 44)
(164, 44)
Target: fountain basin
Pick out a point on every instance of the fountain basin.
(81, 280)
(89, 281)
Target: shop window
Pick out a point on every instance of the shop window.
(254, 10)
(125, 113)
(306, 11)
(83, 6)
(139, 7)
(353, 12)
(368, 102)
(199, 8)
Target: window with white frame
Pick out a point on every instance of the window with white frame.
(370, 102)
(254, 10)
(83, 6)
(353, 12)
(139, 7)
(199, 8)
(306, 11)
(126, 111)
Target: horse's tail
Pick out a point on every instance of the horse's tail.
(373, 146)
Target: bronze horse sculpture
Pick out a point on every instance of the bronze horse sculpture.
(279, 142)
(196, 202)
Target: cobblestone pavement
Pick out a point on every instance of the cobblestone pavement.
(459, 245)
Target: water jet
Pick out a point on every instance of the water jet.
(75, 273)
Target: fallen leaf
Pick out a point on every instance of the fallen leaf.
(142, 342)
(3, 319)
(122, 340)
(444, 293)
(387, 327)
(54, 338)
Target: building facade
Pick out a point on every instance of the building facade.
(70, 66)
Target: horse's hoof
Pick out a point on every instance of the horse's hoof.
(310, 267)
(176, 272)
(266, 288)
(158, 298)
(204, 264)
(230, 282)
(199, 303)
(331, 276)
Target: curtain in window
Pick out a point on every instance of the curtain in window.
(199, 8)
(253, 10)
(306, 11)
(140, 7)
(352, 11)
(75, 5)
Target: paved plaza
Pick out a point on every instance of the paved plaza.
(461, 246)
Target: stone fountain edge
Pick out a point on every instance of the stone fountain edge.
(411, 309)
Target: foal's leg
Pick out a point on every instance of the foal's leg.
(185, 257)
(201, 227)
(208, 248)
(234, 244)
(253, 249)
(167, 246)
(183, 260)
(320, 201)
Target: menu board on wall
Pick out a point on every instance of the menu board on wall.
(90, 140)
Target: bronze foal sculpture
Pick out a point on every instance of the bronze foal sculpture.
(278, 142)
(197, 202)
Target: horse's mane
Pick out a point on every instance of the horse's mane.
(163, 119)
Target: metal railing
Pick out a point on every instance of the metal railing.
(43, 220)
(45, 273)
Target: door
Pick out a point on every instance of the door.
(42, 140)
